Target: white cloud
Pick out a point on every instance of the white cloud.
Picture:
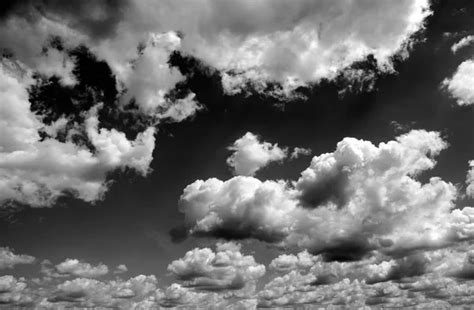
(37, 172)
(250, 155)
(461, 84)
(77, 268)
(149, 78)
(290, 44)
(300, 151)
(359, 198)
(470, 180)
(8, 259)
(178, 296)
(224, 269)
(13, 291)
(466, 41)
(120, 269)
(277, 42)
(429, 279)
(287, 262)
(25, 39)
(83, 292)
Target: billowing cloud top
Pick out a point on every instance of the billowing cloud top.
(357, 199)
(87, 85)
(49, 45)
(249, 42)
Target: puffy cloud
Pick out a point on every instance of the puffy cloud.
(37, 171)
(224, 269)
(286, 262)
(278, 42)
(8, 259)
(423, 280)
(355, 200)
(377, 268)
(250, 155)
(433, 279)
(121, 269)
(14, 292)
(25, 39)
(460, 85)
(149, 78)
(470, 180)
(82, 292)
(77, 268)
(466, 41)
(42, 35)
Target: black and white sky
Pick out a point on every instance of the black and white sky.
(236, 154)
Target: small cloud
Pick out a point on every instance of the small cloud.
(250, 154)
(120, 269)
(461, 85)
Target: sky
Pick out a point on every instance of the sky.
(236, 154)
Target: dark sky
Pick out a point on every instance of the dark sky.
(132, 224)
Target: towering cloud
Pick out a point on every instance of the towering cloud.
(349, 202)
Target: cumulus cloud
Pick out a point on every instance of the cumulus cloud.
(437, 278)
(121, 269)
(287, 262)
(277, 43)
(13, 292)
(470, 180)
(83, 292)
(36, 171)
(466, 41)
(350, 202)
(433, 278)
(149, 78)
(8, 259)
(77, 268)
(431, 292)
(178, 296)
(250, 154)
(460, 85)
(225, 269)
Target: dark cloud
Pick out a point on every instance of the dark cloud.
(99, 19)
(331, 189)
(346, 250)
